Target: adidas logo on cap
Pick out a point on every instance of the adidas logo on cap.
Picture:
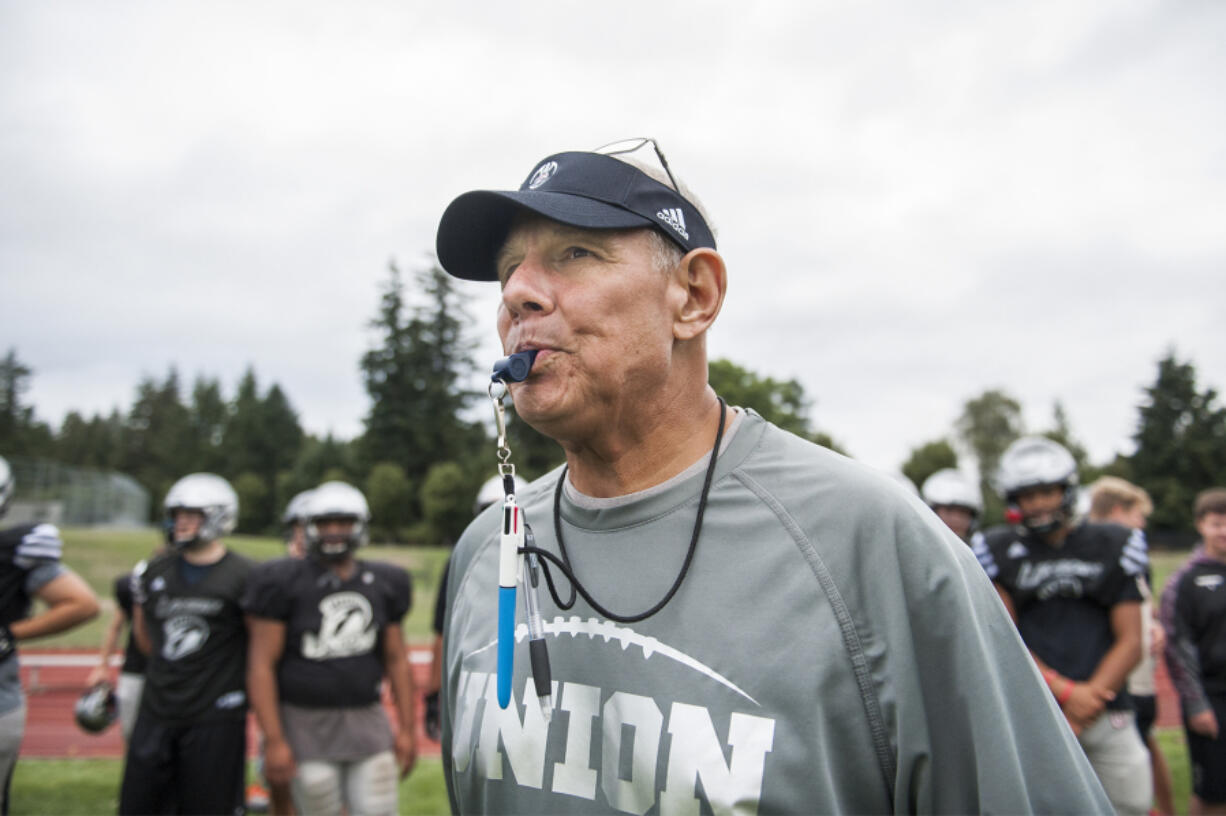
(675, 219)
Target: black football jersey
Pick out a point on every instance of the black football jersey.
(1063, 595)
(23, 549)
(334, 629)
(198, 665)
(1200, 621)
(134, 661)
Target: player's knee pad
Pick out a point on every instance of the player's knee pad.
(373, 786)
(316, 788)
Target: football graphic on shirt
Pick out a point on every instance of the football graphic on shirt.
(185, 634)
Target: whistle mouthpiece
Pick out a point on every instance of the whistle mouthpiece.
(515, 367)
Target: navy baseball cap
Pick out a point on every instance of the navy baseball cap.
(581, 189)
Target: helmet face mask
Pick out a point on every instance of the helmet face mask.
(329, 503)
(213, 498)
(1028, 467)
(97, 708)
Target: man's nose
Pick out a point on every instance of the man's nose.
(528, 290)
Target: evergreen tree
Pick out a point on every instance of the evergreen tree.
(1061, 431)
(20, 432)
(208, 416)
(415, 378)
(262, 438)
(157, 440)
(1181, 443)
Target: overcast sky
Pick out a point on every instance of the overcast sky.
(916, 201)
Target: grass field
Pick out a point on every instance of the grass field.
(78, 786)
(89, 787)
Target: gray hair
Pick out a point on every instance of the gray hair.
(665, 254)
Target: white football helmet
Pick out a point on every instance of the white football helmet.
(7, 486)
(1036, 461)
(295, 510)
(335, 500)
(951, 488)
(212, 496)
(491, 493)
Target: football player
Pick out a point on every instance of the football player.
(955, 499)
(131, 680)
(1194, 614)
(29, 568)
(1112, 500)
(325, 632)
(294, 524)
(187, 752)
(1072, 590)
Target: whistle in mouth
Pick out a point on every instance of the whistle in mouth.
(515, 367)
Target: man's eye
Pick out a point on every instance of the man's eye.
(577, 252)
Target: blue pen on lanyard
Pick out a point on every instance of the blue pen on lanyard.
(508, 577)
(537, 652)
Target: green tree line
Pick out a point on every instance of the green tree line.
(422, 456)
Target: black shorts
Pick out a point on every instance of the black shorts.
(1208, 757)
(187, 769)
(1146, 706)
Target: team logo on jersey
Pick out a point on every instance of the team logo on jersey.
(542, 174)
(712, 740)
(184, 635)
(1017, 550)
(1209, 582)
(347, 628)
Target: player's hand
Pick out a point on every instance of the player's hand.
(1157, 639)
(8, 643)
(406, 751)
(98, 675)
(1204, 723)
(279, 765)
(434, 717)
(1085, 703)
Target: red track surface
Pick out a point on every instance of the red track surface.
(52, 731)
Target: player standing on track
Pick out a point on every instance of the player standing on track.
(1116, 501)
(1073, 592)
(188, 751)
(1194, 614)
(131, 681)
(325, 632)
(29, 568)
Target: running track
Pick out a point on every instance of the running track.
(54, 679)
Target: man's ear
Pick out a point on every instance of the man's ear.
(704, 280)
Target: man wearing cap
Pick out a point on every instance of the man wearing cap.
(773, 628)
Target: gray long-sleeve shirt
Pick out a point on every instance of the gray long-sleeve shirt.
(833, 649)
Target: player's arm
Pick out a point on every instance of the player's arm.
(400, 679)
(69, 602)
(110, 641)
(1007, 600)
(1183, 662)
(140, 630)
(266, 644)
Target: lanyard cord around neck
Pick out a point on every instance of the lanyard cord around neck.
(564, 562)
